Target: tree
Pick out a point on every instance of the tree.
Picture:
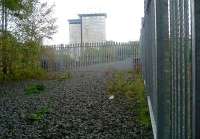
(9, 7)
(39, 25)
(24, 24)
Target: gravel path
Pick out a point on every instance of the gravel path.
(79, 109)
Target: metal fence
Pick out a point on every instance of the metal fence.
(80, 56)
(171, 66)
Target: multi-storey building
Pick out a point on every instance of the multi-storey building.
(89, 28)
(75, 31)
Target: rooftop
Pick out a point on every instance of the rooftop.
(74, 21)
(95, 14)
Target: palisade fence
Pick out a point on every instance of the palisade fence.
(169, 41)
(78, 56)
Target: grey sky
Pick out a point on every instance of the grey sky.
(123, 22)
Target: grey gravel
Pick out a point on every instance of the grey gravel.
(78, 109)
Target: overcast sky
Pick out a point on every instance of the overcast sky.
(123, 21)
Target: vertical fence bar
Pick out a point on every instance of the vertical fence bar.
(73, 57)
(188, 62)
(163, 69)
(167, 67)
(91, 53)
(196, 66)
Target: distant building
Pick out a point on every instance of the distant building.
(75, 31)
(89, 28)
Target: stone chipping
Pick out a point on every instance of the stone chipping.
(78, 108)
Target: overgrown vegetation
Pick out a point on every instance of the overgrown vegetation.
(34, 89)
(66, 76)
(130, 85)
(57, 76)
(37, 115)
(25, 23)
(19, 60)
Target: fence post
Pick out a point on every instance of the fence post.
(196, 67)
(163, 74)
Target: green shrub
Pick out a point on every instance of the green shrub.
(56, 76)
(19, 60)
(38, 115)
(133, 90)
(65, 76)
(34, 89)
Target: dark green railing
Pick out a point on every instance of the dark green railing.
(171, 66)
(78, 56)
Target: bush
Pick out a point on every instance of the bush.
(34, 89)
(133, 90)
(38, 115)
(66, 76)
(19, 60)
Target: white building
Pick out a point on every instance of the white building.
(89, 28)
(75, 31)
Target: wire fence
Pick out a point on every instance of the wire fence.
(170, 59)
(79, 56)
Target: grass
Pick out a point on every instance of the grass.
(34, 89)
(38, 115)
(130, 85)
(65, 76)
(57, 76)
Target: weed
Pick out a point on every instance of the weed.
(38, 115)
(133, 90)
(66, 76)
(34, 89)
(57, 76)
